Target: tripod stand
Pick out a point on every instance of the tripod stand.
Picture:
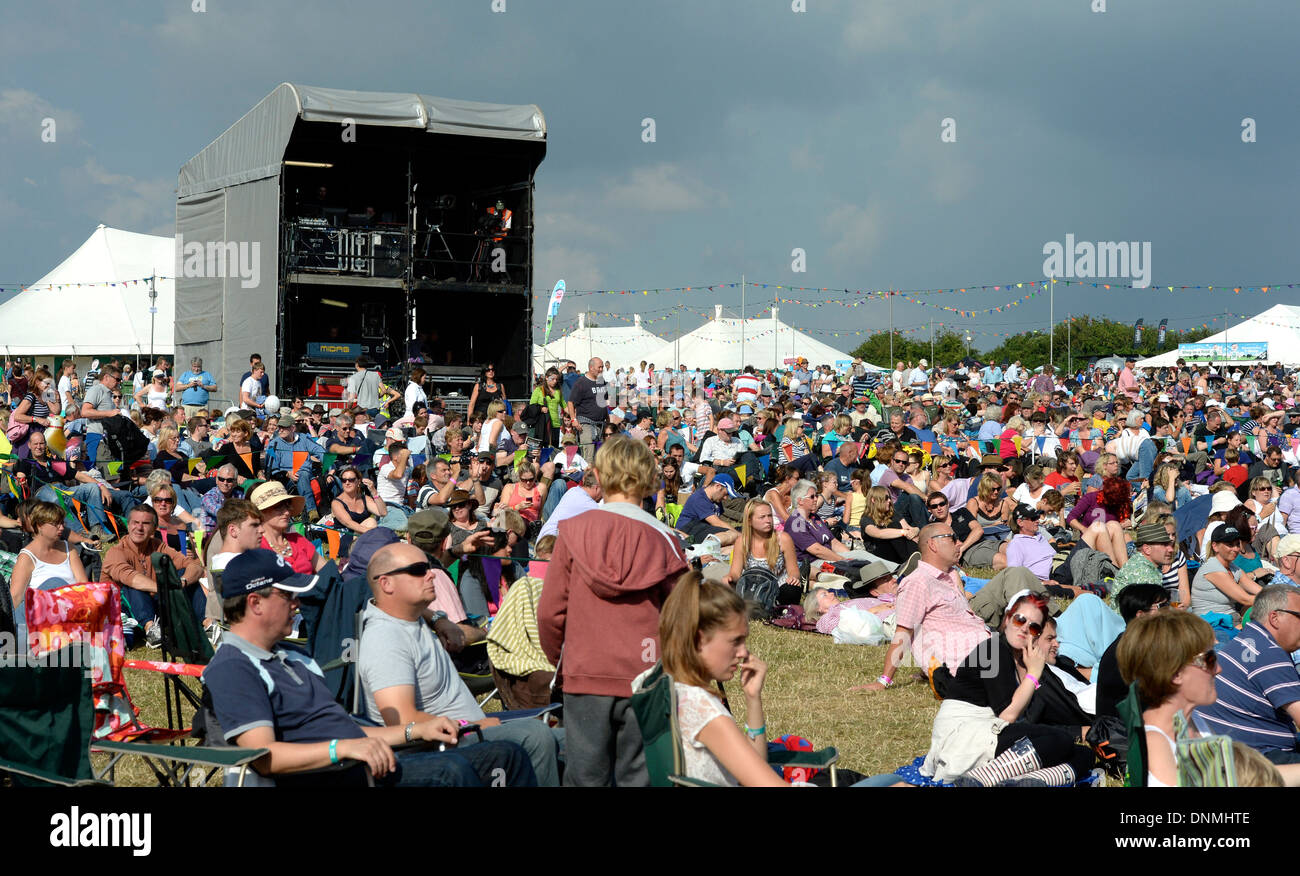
(438, 217)
(482, 252)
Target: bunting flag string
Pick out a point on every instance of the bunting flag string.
(884, 294)
(59, 287)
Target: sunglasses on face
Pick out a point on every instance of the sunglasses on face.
(222, 480)
(1035, 629)
(902, 461)
(348, 480)
(419, 570)
(934, 505)
(1207, 660)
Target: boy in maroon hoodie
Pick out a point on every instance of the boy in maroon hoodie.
(612, 569)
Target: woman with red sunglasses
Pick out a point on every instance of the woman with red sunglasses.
(1006, 719)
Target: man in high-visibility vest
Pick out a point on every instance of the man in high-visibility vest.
(501, 221)
(493, 229)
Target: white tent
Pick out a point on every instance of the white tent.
(1279, 326)
(96, 302)
(769, 343)
(622, 345)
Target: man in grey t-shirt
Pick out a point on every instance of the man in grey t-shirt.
(97, 407)
(363, 386)
(405, 672)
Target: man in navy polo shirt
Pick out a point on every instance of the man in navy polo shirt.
(702, 514)
(1258, 688)
(267, 697)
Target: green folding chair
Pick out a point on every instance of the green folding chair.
(654, 702)
(1130, 712)
(183, 640)
(89, 615)
(46, 718)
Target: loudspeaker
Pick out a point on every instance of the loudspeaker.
(387, 249)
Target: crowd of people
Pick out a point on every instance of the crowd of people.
(1033, 543)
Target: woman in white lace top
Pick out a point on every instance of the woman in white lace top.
(703, 629)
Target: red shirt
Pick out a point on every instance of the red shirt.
(302, 553)
(1236, 475)
(1056, 479)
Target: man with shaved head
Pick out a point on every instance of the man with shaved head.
(934, 618)
(406, 675)
(589, 406)
(227, 478)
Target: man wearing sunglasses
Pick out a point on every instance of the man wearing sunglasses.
(408, 678)
(1258, 690)
(935, 621)
(964, 525)
(907, 496)
(1027, 548)
(266, 697)
(227, 478)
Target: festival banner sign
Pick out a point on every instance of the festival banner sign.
(557, 295)
(1237, 351)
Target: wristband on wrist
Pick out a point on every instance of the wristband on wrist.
(755, 732)
(1034, 679)
(409, 728)
(334, 751)
(885, 680)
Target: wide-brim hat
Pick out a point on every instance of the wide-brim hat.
(1224, 500)
(273, 493)
(458, 497)
(873, 571)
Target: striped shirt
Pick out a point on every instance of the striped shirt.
(1170, 578)
(1257, 683)
(515, 645)
(864, 383)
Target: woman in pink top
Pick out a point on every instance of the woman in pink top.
(527, 495)
(278, 510)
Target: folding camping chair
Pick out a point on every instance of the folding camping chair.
(654, 702)
(183, 640)
(91, 615)
(46, 717)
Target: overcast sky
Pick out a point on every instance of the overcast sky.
(773, 130)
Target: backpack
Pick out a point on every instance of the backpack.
(125, 441)
(758, 586)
